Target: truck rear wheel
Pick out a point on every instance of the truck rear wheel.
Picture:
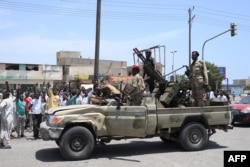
(193, 137)
(77, 143)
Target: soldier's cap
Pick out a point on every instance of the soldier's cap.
(148, 50)
(135, 66)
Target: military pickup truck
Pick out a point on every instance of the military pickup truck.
(78, 128)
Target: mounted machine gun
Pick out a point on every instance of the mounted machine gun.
(169, 93)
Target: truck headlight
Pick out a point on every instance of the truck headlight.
(55, 119)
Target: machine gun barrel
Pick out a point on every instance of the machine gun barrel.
(153, 73)
(176, 70)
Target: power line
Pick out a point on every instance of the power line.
(224, 13)
(27, 7)
(137, 5)
(157, 12)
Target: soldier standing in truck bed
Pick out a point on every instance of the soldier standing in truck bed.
(197, 73)
(138, 87)
(149, 80)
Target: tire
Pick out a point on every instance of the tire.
(165, 140)
(57, 142)
(193, 137)
(77, 143)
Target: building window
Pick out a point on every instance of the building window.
(31, 67)
(12, 67)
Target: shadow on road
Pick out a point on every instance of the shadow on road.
(116, 151)
(49, 155)
(242, 125)
(214, 145)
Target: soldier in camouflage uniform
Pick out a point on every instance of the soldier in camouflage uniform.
(198, 77)
(149, 80)
(138, 86)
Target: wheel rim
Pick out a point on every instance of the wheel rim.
(77, 143)
(195, 136)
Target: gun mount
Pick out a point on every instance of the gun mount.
(156, 75)
(169, 93)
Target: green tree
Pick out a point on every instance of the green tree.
(247, 87)
(214, 77)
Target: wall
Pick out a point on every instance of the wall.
(48, 74)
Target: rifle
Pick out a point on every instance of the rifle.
(156, 75)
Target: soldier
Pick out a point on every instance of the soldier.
(138, 86)
(109, 91)
(149, 80)
(106, 91)
(197, 73)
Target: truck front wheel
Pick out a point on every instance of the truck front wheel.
(193, 137)
(77, 143)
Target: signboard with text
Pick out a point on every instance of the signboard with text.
(222, 71)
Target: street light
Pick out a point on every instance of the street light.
(227, 84)
(173, 52)
(232, 29)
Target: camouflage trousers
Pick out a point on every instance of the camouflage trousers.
(197, 94)
(135, 100)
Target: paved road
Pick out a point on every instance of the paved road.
(132, 152)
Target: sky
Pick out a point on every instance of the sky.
(32, 31)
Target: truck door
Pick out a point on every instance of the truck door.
(128, 121)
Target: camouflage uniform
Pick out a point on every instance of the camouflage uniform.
(198, 80)
(150, 80)
(137, 95)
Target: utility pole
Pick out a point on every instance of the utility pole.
(227, 84)
(190, 20)
(97, 41)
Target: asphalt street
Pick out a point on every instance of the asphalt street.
(132, 152)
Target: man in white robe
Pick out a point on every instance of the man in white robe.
(6, 109)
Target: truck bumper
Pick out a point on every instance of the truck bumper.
(49, 133)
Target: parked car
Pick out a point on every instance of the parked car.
(241, 110)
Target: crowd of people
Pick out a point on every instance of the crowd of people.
(219, 95)
(22, 111)
(25, 110)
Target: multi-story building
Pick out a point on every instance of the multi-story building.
(70, 67)
(243, 82)
(237, 87)
(28, 74)
(76, 67)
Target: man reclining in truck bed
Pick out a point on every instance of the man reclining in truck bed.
(103, 93)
